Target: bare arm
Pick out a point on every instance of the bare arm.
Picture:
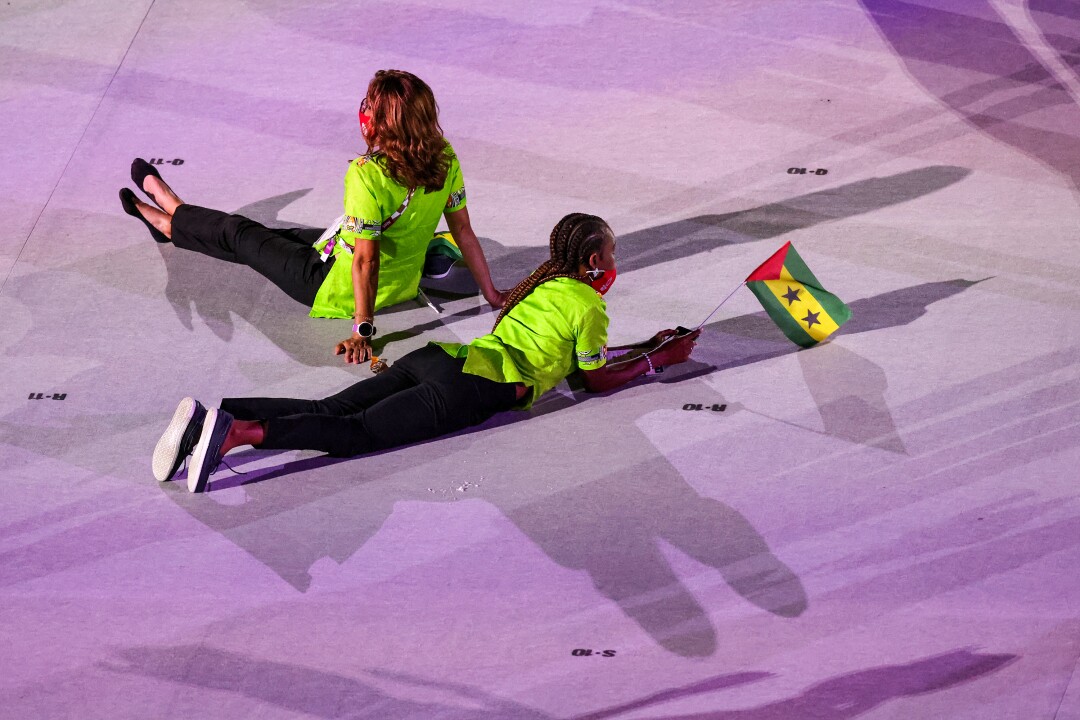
(365, 277)
(461, 229)
(663, 349)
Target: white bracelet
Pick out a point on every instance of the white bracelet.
(652, 370)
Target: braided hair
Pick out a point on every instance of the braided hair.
(573, 240)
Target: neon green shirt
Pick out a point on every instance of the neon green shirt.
(559, 327)
(371, 197)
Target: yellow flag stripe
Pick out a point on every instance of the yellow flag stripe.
(821, 325)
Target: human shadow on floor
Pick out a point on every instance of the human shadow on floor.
(216, 293)
(614, 527)
(609, 524)
(333, 514)
(745, 339)
(318, 693)
(202, 286)
(960, 439)
(754, 337)
(976, 552)
(331, 507)
(345, 524)
(975, 63)
(848, 389)
(849, 392)
(692, 236)
(737, 341)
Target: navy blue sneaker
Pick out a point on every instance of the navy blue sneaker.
(207, 454)
(179, 438)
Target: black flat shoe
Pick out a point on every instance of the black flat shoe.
(139, 170)
(127, 201)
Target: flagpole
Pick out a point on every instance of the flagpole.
(732, 293)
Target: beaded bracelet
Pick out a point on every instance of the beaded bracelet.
(652, 370)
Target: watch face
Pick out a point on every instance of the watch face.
(364, 329)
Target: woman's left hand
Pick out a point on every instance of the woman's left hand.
(355, 349)
(677, 350)
(656, 340)
(498, 299)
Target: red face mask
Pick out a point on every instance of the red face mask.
(365, 119)
(601, 280)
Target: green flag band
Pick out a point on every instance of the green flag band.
(794, 299)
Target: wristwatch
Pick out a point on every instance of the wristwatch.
(364, 329)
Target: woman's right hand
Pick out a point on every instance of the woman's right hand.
(355, 349)
(675, 350)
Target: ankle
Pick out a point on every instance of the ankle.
(162, 194)
(243, 432)
(162, 221)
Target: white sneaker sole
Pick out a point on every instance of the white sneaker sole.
(168, 447)
(197, 478)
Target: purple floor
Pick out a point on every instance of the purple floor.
(886, 525)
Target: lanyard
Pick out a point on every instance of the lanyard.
(328, 249)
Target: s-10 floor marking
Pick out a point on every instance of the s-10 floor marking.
(584, 652)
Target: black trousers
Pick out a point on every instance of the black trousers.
(284, 257)
(421, 396)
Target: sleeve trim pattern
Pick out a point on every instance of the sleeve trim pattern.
(358, 225)
(592, 357)
(455, 199)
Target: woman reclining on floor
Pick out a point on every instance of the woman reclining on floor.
(553, 324)
(394, 197)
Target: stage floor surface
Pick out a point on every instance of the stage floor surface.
(885, 525)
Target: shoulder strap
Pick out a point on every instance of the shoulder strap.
(388, 222)
(397, 213)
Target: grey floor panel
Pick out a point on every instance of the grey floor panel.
(883, 526)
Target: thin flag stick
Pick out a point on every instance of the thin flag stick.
(628, 356)
(721, 304)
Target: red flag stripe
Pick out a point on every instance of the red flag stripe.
(770, 269)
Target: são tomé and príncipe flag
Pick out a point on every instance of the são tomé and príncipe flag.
(795, 300)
